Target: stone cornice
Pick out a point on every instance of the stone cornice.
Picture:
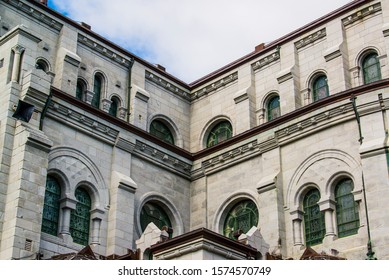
(163, 159)
(35, 14)
(315, 121)
(168, 86)
(215, 85)
(82, 122)
(361, 14)
(104, 51)
(311, 38)
(266, 60)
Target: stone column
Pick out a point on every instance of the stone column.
(67, 205)
(18, 50)
(96, 217)
(297, 218)
(328, 207)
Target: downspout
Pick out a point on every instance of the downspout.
(44, 111)
(129, 89)
(370, 253)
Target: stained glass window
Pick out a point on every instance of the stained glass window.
(320, 88)
(347, 216)
(371, 68)
(51, 206)
(160, 130)
(97, 87)
(273, 108)
(80, 217)
(152, 212)
(222, 131)
(243, 216)
(113, 109)
(313, 218)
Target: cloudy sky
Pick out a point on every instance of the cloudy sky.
(192, 38)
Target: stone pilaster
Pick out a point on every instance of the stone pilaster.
(25, 194)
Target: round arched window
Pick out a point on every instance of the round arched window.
(152, 212)
(241, 218)
(161, 131)
(220, 132)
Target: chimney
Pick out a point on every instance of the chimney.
(43, 2)
(259, 47)
(160, 67)
(85, 25)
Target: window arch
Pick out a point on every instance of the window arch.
(273, 108)
(313, 218)
(152, 212)
(51, 206)
(80, 217)
(161, 131)
(220, 132)
(113, 109)
(347, 216)
(80, 90)
(320, 87)
(242, 216)
(97, 89)
(371, 68)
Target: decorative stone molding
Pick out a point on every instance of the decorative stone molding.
(167, 85)
(266, 60)
(163, 159)
(310, 39)
(35, 14)
(85, 123)
(314, 120)
(234, 156)
(215, 85)
(361, 14)
(102, 50)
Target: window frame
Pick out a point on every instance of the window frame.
(377, 65)
(214, 133)
(319, 84)
(55, 206)
(270, 108)
(245, 207)
(83, 214)
(344, 218)
(165, 135)
(164, 221)
(313, 217)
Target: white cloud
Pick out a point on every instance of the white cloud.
(194, 38)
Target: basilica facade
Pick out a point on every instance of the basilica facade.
(286, 147)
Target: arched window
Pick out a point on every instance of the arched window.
(220, 132)
(97, 88)
(242, 217)
(313, 218)
(161, 131)
(80, 217)
(113, 109)
(51, 206)
(80, 90)
(151, 212)
(371, 68)
(320, 88)
(347, 216)
(273, 108)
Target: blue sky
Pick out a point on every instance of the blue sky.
(192, 38)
